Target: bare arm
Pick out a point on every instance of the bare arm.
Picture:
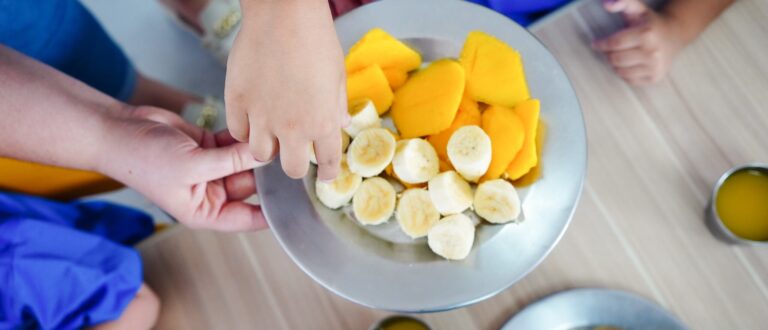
(693, 16)
(199, 178)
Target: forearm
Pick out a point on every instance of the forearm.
(48, 117)
(693, 16)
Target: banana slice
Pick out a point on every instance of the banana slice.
(370, 152)
(469, 150)
(416, 213)
(364, 116)
(496, 201)
(374, 201)
(338, 192)
(452, 237)
(450, 193)
(344, 145)
(415, 161)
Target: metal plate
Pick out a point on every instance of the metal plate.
(371, 265)
(590, 308)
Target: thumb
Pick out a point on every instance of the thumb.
(632, 10)
(216, 163)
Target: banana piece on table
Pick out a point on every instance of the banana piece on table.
(344, 145)
(338, 192)
(364, 115)
(415, 161)
(415, 212)
(469, 150)
(374, 201)
(452, 237)
(450, 193)
(496, 201)
(370, 152)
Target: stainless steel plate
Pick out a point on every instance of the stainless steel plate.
(380, 268)
(590, 308)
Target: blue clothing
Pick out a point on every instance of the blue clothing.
(66, 36)
(524, 12)
(64, 265)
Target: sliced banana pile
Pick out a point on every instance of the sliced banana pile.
(433, 202)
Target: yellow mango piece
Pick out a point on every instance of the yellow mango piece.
(429, 100)
(494, 71)
(380, 48)
(535, 173)
(370, 83)
(526, 159)
(445, 166)
(396, 78)
(507, 134)
(464, 117)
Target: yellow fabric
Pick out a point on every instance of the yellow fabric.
(51, 182)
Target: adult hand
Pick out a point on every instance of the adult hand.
(201, 179)
(642, 52)
(286, 85)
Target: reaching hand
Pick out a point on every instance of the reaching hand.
(197, 177)
(286, 86)
(642, 52)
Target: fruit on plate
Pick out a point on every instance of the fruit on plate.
(370, 152)
(507, 134)
(428, 101)
(374, 201)
(344, 144)
(464, 117)
(494, 70)
(338, 192)
(396, 77)
(496, 201)
(364, 115)
(450, 193)
(415, 212)
(415, 161)
(527, 158)
(370, 83)
(452, 237)
(380, 48)
(469, 150)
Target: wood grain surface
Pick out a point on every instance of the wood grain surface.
(654, 154)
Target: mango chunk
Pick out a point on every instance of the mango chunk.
(380, 48)
(507, 134)
(467, 115)
(396, 78)
(370, 83)
(428, 102)
(494, 71)
(527, 158)
(535, 173)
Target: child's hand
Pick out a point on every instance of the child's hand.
(286, 85)
(642, 52)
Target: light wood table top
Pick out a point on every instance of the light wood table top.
(654, 154)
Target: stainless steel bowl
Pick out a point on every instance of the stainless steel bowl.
(378, 266)
(713, 221)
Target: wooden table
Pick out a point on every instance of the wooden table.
(654, 154)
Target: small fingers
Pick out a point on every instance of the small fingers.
(240, 186)
(625, 39)
(294, 157)
(238, 216)
(328, 153)
(627, 58)
(634, 72)
(263, 145)
(237, 122)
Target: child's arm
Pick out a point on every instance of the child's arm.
(48, 117)
(286, 84)
(643, 52)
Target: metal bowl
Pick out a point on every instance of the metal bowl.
(591, 308)
(713, 221)
(377, 266)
